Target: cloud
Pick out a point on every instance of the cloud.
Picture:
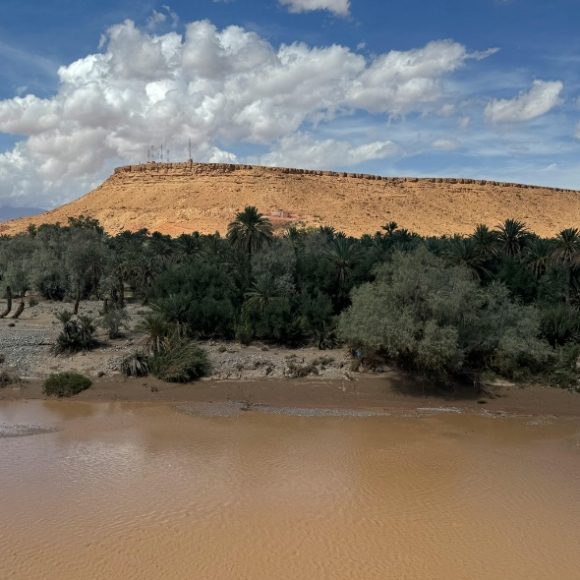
(577, 134)
(303, 151)
(161, 17)
(539, 100)
(445, 144)
(221, 89)
(464, 122)
(338, 7)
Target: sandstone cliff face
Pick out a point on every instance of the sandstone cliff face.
(176, 198)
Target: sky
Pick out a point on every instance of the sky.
(487, 89)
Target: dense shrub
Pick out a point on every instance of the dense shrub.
(52, 286)
(78, 333)
(135, 365)
(201, 295)
(436, 319)
(66, 384)
(565, 371)
(180, 361)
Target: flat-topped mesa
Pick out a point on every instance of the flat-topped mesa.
(176, 198)
(190, 168)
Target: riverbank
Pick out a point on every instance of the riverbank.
(392, 391)
(25, 345)
(247, 376)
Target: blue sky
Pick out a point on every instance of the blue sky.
(484, 89)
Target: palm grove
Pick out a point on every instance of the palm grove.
(500, 301)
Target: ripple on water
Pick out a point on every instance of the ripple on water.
(8, 431)
(147, 492)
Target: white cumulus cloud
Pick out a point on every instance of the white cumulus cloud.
(338, 7)
(219, 89)
(304, 151)
(539, 100)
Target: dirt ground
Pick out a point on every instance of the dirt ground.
(26, 344)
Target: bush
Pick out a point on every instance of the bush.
(244, 333)
(77, 334)
(52, 286)
(114, 320)
(135, 365)
(566, 372)
(7, 378)
(179, 361)
(66, 384)
(296, 369)
(437, 320)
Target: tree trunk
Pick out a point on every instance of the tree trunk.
(19, 309)
(8, 302)
(77, 301)
(121, 293)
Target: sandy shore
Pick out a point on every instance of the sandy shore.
(390, 392)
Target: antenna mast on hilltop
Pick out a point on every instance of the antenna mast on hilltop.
(189, 147)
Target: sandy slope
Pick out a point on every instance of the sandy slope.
(184, 197)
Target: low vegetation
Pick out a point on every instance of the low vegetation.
(500, 301)
(180, 361)
(78, 333)
(135, 365)
(66, 384)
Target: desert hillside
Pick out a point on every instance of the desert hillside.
(174, 198)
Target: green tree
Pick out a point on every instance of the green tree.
(511, 237)
(249, 231)
(567, 247)
(436, 319)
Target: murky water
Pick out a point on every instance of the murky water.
(148, 492)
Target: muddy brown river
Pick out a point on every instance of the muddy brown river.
(129, 491)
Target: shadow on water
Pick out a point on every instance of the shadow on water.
(419, 387)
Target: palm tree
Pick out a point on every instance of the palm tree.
(484, 240)
(567, 247)
(403, 239)
(250, 230)
(263, 292)
(538, 256)
(174, 309)
(512, 236)
(567, 253)
(343, 252)
(329, 232)
(156, 327)
(390, 228)
(465, 252)
(295, 237)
